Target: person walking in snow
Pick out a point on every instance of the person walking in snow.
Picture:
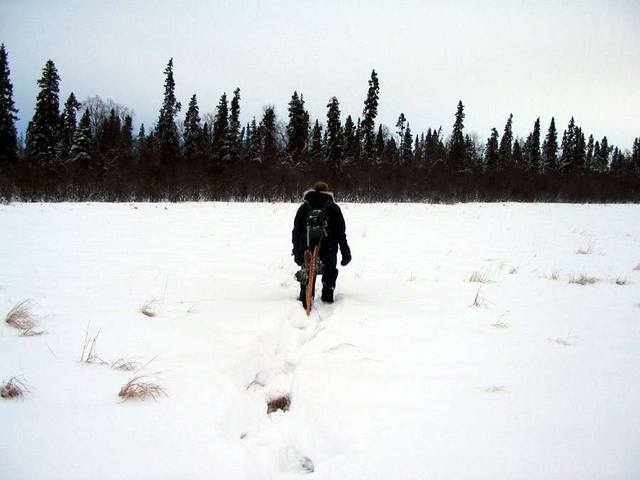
(319, 213)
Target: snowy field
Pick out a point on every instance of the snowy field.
(403, 377)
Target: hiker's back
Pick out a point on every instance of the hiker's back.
(319, 222)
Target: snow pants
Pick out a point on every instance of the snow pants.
(330, 273)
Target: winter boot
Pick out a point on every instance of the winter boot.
(327, 294)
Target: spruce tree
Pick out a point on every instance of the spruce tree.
(80, 153)
(635, 156)
(68, 124)
(316, 142)
(8, 137)
(126, 145)
(579, 151)
(234, 126)
(358, 149)
(369, 115)
(470, 154)
(602, 160)
(390, 153)
(588, 161)
(297, 129)
(406, 153)
(532, 148)
(192, 135)
(334, 134)
(324, 143)
(550, 149)
(220, 132)
(206, 137)
(429, 150)
(491, 152)
(140, 138)
(400, 126)
(380, 144)
(247, 137)
(109, 135)
(517, 159)
(255, 143)
(269, 133)
(43, 132)
(506, 145)
(617, 162)
(567, 155)
(350, 140)
(418, 148)
(166, 133)
(457, 147)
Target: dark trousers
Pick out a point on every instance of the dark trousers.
(330, 273)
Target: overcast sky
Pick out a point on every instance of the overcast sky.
(529, 58)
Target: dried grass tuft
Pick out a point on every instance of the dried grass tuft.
(588, 250)
(479, 301)
(30, 332)
(500, 322)
(479, 277)
(139, 388)
(21, 317)
(147, 309)
(583, 279)
(89, 354)
(622, 281)
(555, 275)
(496, 389)
(513, 270)
(125, 364)
(280, 403)
(14, 388)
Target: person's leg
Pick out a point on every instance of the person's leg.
(329, 277)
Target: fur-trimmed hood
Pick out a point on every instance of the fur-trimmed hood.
(317, 199)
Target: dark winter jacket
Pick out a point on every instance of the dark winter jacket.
(336, 236)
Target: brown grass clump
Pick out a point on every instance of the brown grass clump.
(583, 279)
(280, 403)
(20, 316)
(139, 388)
(125, 364)
(147, 309)
(479, 277)
(30, 332)
(14, 388)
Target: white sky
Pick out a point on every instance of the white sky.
(531, 58)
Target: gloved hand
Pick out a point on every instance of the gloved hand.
(346, 257)
(299, 259)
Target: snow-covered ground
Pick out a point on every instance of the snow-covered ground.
(401, 378)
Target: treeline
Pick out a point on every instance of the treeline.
(89, 151)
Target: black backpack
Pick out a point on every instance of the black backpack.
(317, 224)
